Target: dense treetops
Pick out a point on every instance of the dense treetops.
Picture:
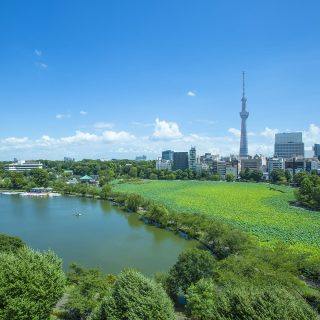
(30, 284)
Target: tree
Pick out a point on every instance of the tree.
(88, 289)
(133, 172)
(192, 265)
(277, 176)
(245, 174)
(230, 177)
(135, 297)
(18, 180)
(40, 177)
(105, 191)
(206, 301)
(153, 176)
(256, 175)
(31, 283)
(10, 244)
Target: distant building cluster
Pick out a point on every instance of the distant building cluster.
(23, 165)
(289, 155)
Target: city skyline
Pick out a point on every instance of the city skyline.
(115, 81)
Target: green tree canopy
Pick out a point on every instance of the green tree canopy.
(31, 283)
(192, 265)
(135, 297)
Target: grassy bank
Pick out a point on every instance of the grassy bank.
(262, 210)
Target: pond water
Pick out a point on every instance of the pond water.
(103, 236)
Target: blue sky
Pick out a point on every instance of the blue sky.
(104, 79)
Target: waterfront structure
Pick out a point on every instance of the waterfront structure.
(254, 163)
(244, 114)
(288, 145)
(167, 155)
(141, 158)
(192, 158)
(162, 164)
(180, 161)
(316, 149)
(275, 164)
(23, 165)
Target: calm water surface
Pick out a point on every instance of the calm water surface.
(104, 236)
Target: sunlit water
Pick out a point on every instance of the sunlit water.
(103, 236)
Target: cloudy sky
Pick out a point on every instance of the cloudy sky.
(116, 79)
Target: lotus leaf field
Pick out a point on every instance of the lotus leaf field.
(261, 209)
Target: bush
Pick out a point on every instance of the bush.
(30, 284)
(88, 288)
(206, 301)
(135, 297)
(192, 265)
(10, 244)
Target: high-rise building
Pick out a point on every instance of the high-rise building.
(316, 149)
(288, 145)
(163, 164)
(254, 163)
(192, 158)
(244, 116)
(275, 164)
(167, 155)
(219, 167)
(180, 161)
(141, 158)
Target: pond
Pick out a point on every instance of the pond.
(103, 236)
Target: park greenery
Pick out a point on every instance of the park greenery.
(270, 271)
(263, 210)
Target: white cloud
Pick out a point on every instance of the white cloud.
(269, 133)
(83, 113)
(38, 52)
(41, 65)
(15, 141)
(80, 137)
(235, 132)
(103, 125)
(166, 130)
(312, 136)
(191, 94)
(62, 116)
(112, 136)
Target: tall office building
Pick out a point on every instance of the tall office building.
(180, 161)
(288, 145)
(316, 149)
(167, 155)
(244, 116)
(193, 159)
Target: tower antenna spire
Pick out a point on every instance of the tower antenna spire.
(243, 85)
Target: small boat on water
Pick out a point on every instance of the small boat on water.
(78, 214)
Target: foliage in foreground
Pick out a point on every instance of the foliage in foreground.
(207, 301)
(10, 243)
(88, 287)
(31, 283)
(135, 297)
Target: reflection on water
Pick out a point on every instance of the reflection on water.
(104, 236)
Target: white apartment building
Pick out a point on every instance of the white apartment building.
(162, 164)
(23, 165)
